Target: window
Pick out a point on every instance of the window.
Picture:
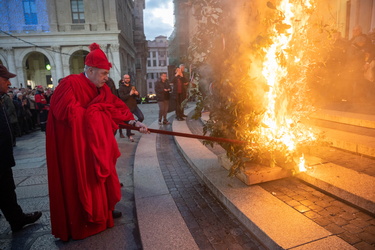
(150, 85)
(162, 63)
(154, 63)
(29, 10)
(154, 54)
(161, 53)
(78, 12)
(149, 63)
(152, 75)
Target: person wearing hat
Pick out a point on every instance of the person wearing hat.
(82, 150)
(8, 199)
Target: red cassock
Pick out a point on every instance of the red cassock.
(81, 157)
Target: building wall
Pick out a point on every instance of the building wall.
(107, 22)
(157, 61)
(140, 47)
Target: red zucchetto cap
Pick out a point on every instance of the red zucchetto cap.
(96, 58)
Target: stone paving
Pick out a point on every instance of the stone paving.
(347, 222)
(210, 223)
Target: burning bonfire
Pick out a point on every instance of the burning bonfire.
(265, 104)
(284, 69)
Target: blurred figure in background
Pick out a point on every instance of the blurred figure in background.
(162, 90)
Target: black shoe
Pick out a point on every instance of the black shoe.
(27, 219)
(166, 122)
(116, 214)
(184, 115)
(131, 134)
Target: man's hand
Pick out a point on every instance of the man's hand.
(143, 128)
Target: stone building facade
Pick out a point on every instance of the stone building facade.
(157, 61)
(42, 41)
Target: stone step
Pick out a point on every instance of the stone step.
(355, 143)
(348, 131)
(349, 185)
(361, 120)
(274, 223)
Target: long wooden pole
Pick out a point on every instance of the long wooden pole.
(201, 137)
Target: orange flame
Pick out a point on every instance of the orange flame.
(282, 130)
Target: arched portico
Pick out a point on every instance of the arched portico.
(37, 70)
(33, 67)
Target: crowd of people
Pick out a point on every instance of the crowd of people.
(27, 109)
(349, 73)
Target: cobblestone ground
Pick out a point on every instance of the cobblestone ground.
(347, 222)
(352, 225)
(210, 223)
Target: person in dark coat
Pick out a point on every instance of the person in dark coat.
(179, 91)
(162, 89)
(128, 94)
(8, 199)
(12, 115)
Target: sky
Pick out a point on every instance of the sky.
(158, 18)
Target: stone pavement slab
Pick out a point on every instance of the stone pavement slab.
(160, 223)
(276, 224)
(331, 242)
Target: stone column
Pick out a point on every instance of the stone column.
(58, 65)
(113, 25)
(114, 57)
(52, 15)
(12, 67)
(100, 15)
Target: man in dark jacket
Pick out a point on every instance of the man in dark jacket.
(8, 198)
(162, 89)
(128, 94)
(179, 91)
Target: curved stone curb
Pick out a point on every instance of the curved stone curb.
(160, 223)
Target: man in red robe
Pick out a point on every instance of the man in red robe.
(82, 150)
